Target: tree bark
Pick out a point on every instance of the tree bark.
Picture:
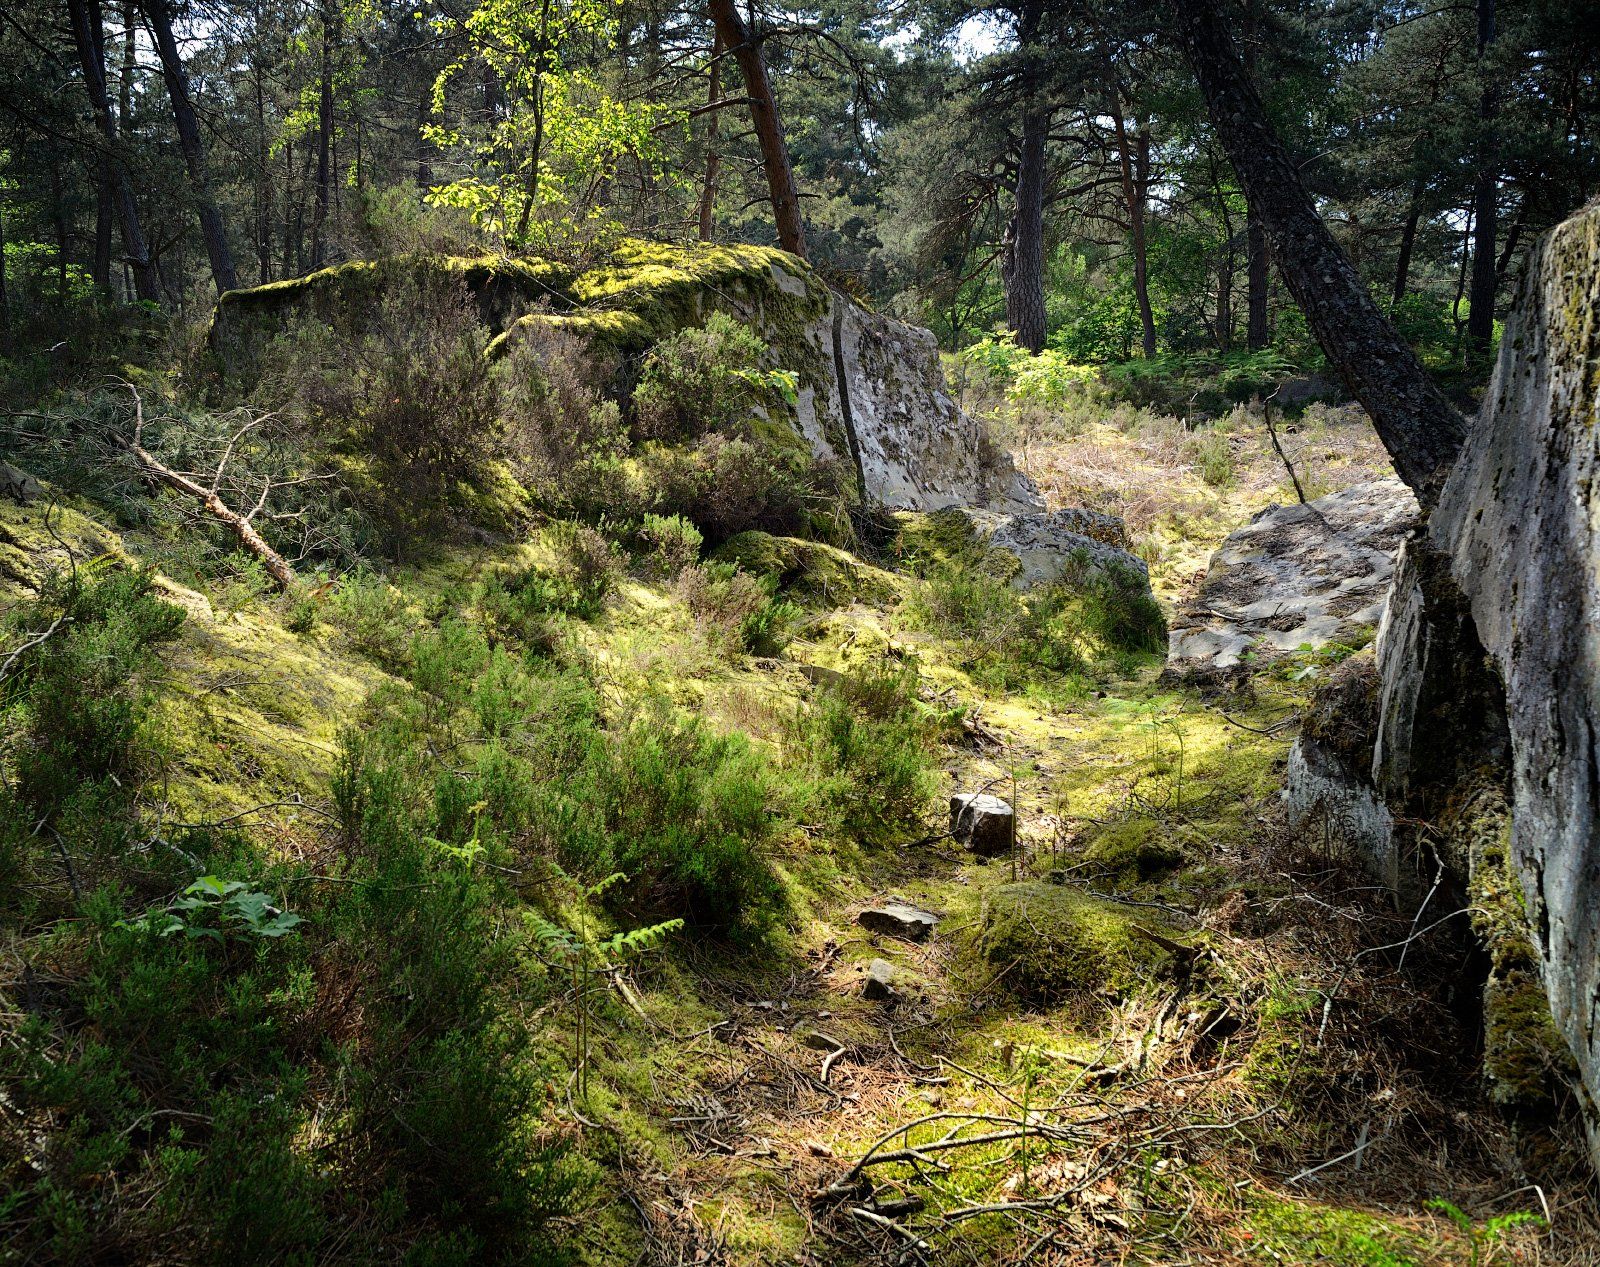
(708, 188)
(1408, 244)
(5, 303)
(1418, 426)
(319, 216)
(1135, 180)
(1258, 283)
(1022, 252)
(736, 37)
(223, 272)
(1480, 314)
(88, 36)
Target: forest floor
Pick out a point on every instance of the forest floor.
(1162, 1029)
(1158, 1032)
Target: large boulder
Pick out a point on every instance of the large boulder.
(870, 393)
(1297, 576)
(1519, 521)
(1476, 779)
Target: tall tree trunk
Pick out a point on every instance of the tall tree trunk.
(736, 37)
(424, 167)
(194, 154)
(1258, 282)
(87, 35)
(1022, 252)
(1225, 299)
(319, 215)
(5, 303)
(1480, 316)
(1135, 171)
(104, 214)
(708, 187)
(1418, 426)
(1408, 244)
(263, 182)
(1258, 258)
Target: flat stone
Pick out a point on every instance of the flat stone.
(899, 919)
(983, 823)
(880, 981)
(1295, 576)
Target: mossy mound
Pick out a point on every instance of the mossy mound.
(809, 570)
(1049, 942)
(1143, 847)
(641, 293)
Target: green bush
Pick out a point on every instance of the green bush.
(866, 742)
(737, 610)
(702, 380)
(667, 544)
(685, 814)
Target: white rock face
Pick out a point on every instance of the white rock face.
(914, 448)
(1520, 518)
(1295, 576)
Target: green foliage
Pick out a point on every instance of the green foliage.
(685, 813)
(739, 611)
(216, 908)
(538, 164)
(585, 955)
(706, 379)
(1483, 1238)
(409, 402)
(75, 696)
(865, 742)
(667, 544)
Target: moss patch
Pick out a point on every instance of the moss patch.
(1050, 941)
(810, 570)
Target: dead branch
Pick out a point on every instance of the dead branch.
(210, 502)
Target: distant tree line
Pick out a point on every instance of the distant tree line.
(1044, 165)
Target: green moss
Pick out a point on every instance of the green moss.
(810, 570)
(1050, 941)
(1306, 1232)
(1143, 846)
(930, 538)
(1525, 1059)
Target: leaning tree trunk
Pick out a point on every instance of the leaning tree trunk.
(194, 156)
(1022, 253)
(736, 38)
(87, 35)
(1485, 213)
(1418, 426)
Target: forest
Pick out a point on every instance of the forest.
(893, 632)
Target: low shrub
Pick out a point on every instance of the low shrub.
(866, 744)
(737, 611)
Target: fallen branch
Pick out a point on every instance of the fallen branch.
(252, 541)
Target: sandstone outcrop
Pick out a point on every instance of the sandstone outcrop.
(1295, 576)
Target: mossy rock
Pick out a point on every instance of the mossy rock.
(934, 537)
(1526, 1062)
(1142, 846)
(809, 570)
(1051, 942)
(1343, 716)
